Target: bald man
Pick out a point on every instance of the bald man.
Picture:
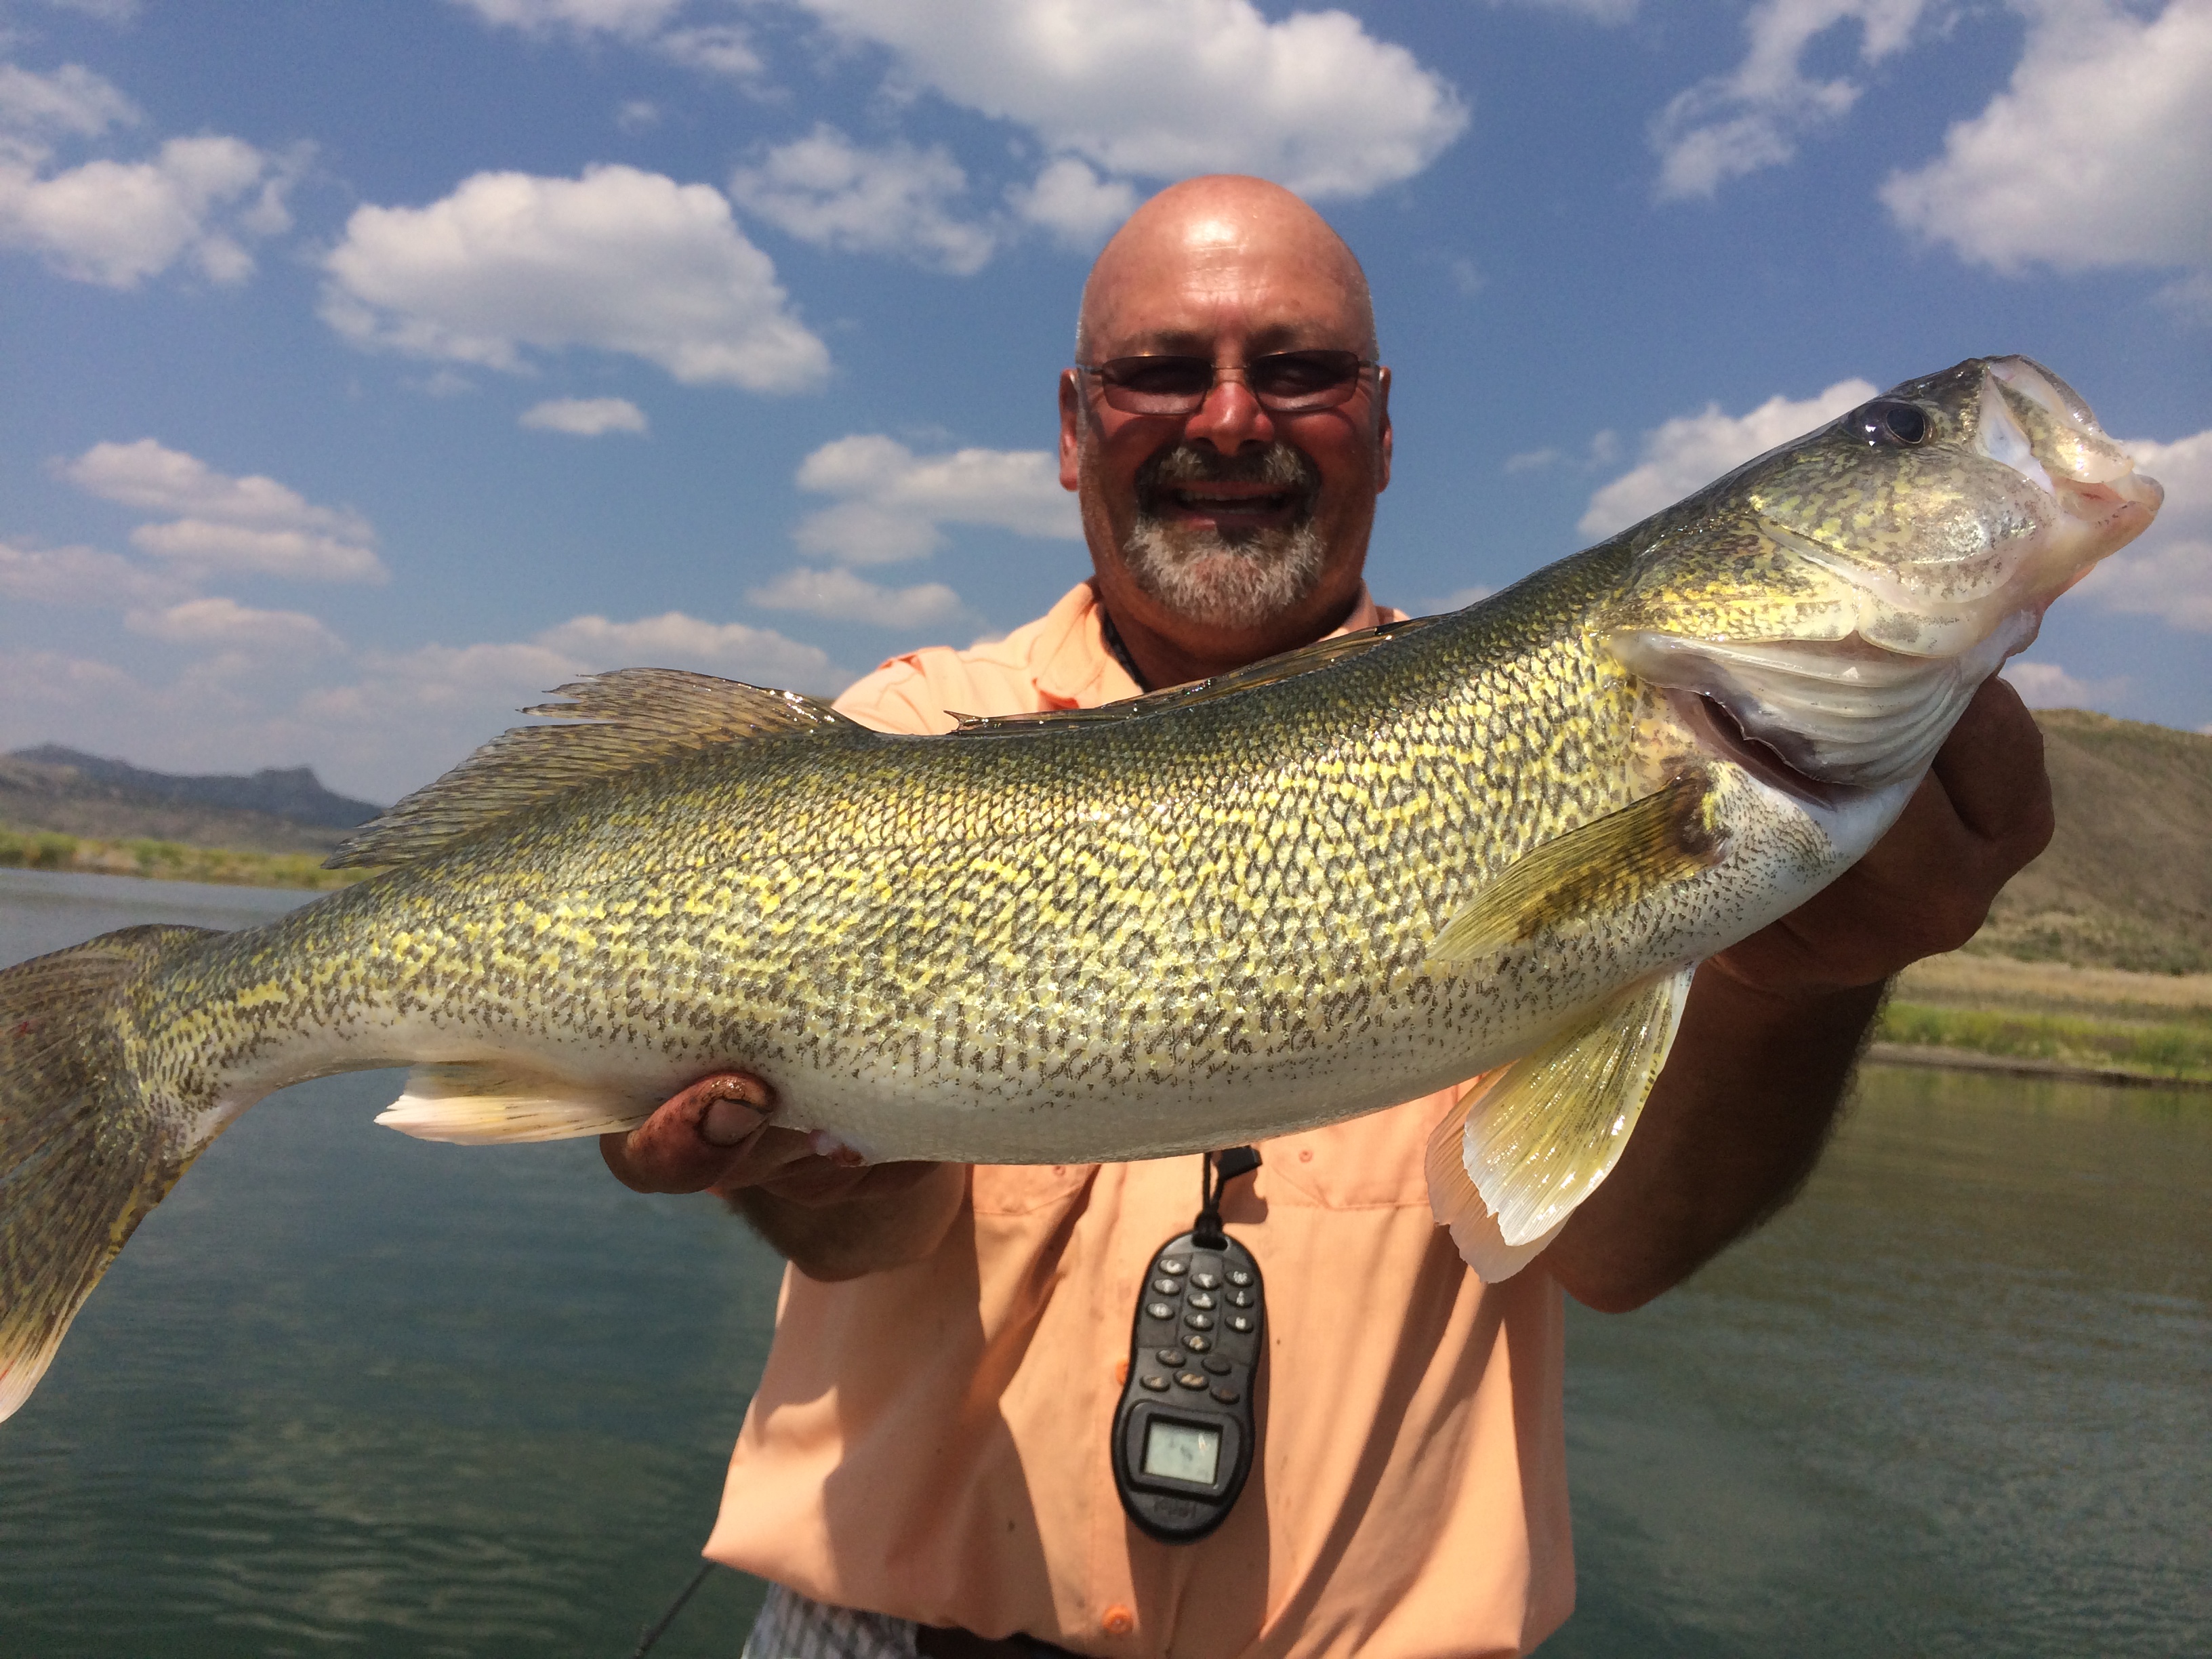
(925, 1468)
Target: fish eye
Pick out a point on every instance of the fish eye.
(1889, 421)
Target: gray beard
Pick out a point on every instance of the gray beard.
(1238, 580)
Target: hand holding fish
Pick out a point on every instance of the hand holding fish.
(1772, 1024)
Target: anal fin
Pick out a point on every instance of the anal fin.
(1508, 1166)
(490, 1103)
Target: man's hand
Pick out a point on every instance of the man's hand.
(1774, 1025)
(832, 1216)
(1979, 816)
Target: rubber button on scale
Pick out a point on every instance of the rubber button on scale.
(1158, 1384)
(1215, 1363)
(1166, 1287)
(1239, 1299)
(1224, 1393)
(1197, 1344)
(1173, 1358)
(1206, 1281)
(1199, 1299)
(1159, 1310)
(1177, 1266)
(1200, 1321)
(1190, 1379)
(1236, 1321)
(1240, 1276)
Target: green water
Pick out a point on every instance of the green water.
(348, 1392)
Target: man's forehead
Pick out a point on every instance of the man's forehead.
(1189, 298)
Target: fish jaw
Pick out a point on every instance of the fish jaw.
(1858, 590)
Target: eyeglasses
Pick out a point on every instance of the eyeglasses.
(1283, 382)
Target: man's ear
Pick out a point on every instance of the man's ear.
(1383, 434)
(1071, 421)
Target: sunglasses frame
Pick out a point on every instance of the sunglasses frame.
(1120, 395)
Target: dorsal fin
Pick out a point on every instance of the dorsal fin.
(616, 722)
(1289, 665)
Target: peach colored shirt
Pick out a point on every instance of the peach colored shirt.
(931, 1442)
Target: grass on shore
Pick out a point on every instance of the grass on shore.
(168, 860)
(2163, 1050)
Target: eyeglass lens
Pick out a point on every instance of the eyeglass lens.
(1284, 381)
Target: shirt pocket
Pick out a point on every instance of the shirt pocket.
(1024, 1188)
(1377, 1161)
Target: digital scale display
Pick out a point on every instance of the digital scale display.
(1178, 1451)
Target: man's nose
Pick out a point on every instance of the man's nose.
(1230, 417)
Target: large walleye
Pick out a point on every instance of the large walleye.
(1312, 888)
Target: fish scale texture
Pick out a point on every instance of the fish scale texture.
(898, 931)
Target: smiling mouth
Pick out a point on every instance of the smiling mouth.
(1237, 504)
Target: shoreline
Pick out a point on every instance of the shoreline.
(1972, 1059)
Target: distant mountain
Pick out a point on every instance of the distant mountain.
(2127, 879)
(289, 810)
(291, 792)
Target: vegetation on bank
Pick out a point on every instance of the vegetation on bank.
(2182, 1052)
(167, 860)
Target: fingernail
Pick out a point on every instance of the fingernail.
(727, 1122)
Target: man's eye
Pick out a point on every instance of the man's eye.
(1165, 376)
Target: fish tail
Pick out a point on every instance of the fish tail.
(85, 1151)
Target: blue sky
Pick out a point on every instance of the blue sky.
(371, 368)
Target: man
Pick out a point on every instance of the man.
(926, 1464)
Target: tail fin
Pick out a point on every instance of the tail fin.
(84, 1154)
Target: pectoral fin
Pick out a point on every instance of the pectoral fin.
(1603, 867)
(484, 1102)
(1511, 1163)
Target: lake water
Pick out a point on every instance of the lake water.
(348, 1391)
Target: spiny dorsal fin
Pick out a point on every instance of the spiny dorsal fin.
(616, 723)
(1267, 670)
(1606, 865)
(1536, 1138)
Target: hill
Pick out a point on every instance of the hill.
(2127, 879)
(277, 810)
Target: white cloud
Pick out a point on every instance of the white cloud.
(225, 624)
(2099, 154)
(841, 596)
(628, 17)
(253, 525)
(1690, 451)
(1069, 199)
(2046, 685)
(585, 417)
(149, 475)
(676, 640)
(1458, 599)
(1164, 88)
(1532, 460)
(1752, 116)
(2168, 571)
(618, 260)
(204, 548)
(826, 190)
(1607, 12)
(714, 49)
(894, 500)
(116, 223)
(81, 576)
(71, 100)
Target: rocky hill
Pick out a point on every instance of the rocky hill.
(2127, 880)
(276, 811)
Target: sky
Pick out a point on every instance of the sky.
(367, 370)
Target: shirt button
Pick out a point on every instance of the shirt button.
(1117, 1620)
